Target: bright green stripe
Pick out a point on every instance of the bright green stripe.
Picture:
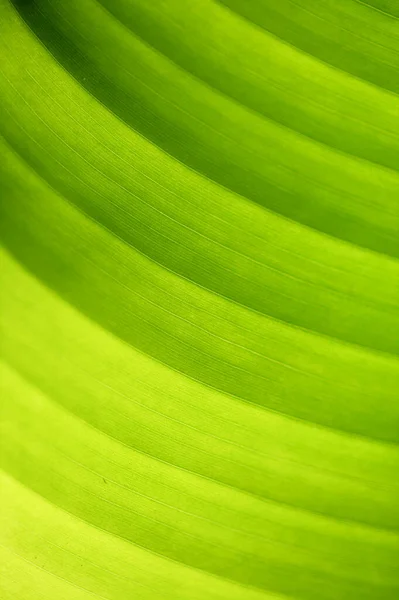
(164, 390)
(345, 34)
(95, 271)
(152, 218)
(24, 580)
(223, 434)
(133, 567)
(83, 491)
(271, 165)
(199, 394)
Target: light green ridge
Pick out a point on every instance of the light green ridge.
(233, 146)
(199, 310)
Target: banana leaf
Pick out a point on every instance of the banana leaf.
(199, 316)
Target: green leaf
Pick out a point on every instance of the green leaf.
(199, 324)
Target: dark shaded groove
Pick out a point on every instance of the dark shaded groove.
(175, 140)
(329, 51)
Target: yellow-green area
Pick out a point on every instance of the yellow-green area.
(199, 311)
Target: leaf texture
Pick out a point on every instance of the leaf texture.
(199, 324)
